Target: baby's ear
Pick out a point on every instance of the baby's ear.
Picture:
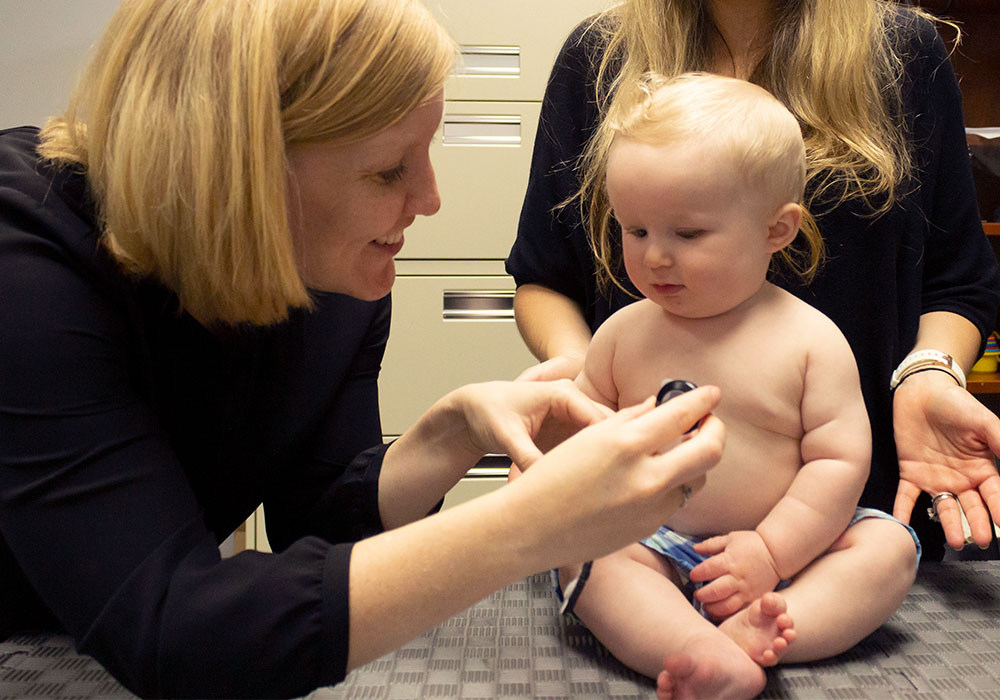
(784, 226)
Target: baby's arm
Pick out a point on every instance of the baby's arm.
(596, 379)
(836, 456)
(816, 509)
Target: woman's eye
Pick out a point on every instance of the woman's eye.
(391, 175)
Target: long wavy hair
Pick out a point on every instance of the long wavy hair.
(837, 66)
(182, 119)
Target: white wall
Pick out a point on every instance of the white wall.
(44, 44)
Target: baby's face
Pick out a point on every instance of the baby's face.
(694, 238)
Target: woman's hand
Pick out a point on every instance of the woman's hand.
(559, 367)
(946, 441)
(495, 417)
(607, 486)
(506, 417)
(615, 482)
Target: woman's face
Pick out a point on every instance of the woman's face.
(349, 203)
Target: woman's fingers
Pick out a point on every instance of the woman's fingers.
(519, 445)
(980, 526)
(950, 515)
(690, 459)
(561, 410)
(572, 405)
(659, 426)
(906, 498)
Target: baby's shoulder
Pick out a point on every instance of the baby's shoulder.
(816, 338)
(642, 311)
(813, 323)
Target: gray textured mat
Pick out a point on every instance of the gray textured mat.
(944, 642)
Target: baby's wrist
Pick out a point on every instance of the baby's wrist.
(772, 560)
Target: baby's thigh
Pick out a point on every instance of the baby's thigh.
(642, 554)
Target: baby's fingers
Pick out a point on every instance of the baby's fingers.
(726, 608)
(719, 589)
(711, 568)
(712, 545)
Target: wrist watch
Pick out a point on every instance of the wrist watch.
(923, 360)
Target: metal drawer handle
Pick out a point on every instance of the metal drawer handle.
(476, 305)
(493, 61)
(491, 466)
(482, 130)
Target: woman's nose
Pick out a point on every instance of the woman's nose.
(425, 200)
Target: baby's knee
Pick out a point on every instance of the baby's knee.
(893, 545)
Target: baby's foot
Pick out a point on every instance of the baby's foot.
(709, 666)
(763, 629)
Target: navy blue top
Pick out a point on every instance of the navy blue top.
(928, 254)
(133, 440)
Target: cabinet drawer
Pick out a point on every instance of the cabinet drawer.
(470, 488)
(433, 350)
(481, 162)
(508, 47)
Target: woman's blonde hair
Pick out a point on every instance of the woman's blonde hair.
(734, 123)
(182, 119)
(836, 66)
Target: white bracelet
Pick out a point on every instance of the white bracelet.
(922, 360)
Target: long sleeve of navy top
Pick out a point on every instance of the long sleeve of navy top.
(132, 440)
(929, 253)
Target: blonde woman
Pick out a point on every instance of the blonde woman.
(196, 261)
(908, 276)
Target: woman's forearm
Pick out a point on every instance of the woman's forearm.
(405, 581)
(550, 323)
(950, 333)
(424, 463)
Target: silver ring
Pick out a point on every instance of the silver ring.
(932, 512)
(686, 492)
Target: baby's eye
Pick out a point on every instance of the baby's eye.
(688, 233)
(392, 175)
(637, 232)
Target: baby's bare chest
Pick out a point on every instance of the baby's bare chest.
(762, 383)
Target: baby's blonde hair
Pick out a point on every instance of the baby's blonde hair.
(738, 124)
(182, 119)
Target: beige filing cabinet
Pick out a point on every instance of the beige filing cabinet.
(452, 320)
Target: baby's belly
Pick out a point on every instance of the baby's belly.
(741, 490)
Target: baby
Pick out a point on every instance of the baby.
(705, 176)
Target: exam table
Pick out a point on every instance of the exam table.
(943, 642)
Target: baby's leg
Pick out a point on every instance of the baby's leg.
(633, 605)
(847, 593)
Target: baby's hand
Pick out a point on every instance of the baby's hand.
(741, 570)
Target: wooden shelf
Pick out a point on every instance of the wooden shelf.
(983, 382)
(987, 382)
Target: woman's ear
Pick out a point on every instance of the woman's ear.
(784, 226)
